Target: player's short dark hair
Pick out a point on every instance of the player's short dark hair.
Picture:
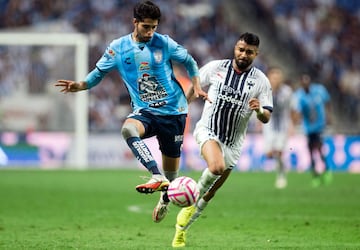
(147, 9)
(250, 39)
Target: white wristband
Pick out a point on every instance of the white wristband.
(260, 111)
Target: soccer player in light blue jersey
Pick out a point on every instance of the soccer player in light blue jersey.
(144, 62)
(313, 105)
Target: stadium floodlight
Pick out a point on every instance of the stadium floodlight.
(80, 43)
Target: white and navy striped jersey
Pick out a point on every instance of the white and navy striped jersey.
(228, 115)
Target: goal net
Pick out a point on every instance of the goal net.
(30, 64)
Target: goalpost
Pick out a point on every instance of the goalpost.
(80, 43)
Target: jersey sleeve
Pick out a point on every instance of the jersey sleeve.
(265, 95)
(179, 54)
(324, 93)
(103, 66)
(94, 77)
(108, 60)
(206, 71)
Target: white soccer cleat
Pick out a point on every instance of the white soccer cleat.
(161, 210)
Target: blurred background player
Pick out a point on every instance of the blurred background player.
(3, 158)
(276, 131)
(144, 61)
(313, 108)
(236, 89)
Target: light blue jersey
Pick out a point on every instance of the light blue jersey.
(312, 107)
(146, 70)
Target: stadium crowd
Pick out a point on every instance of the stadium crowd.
(325, 32)
(197, 26)
(327, 35)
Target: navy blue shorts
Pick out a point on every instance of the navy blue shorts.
(169, 131)
(314, 140)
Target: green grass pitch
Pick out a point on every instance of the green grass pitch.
(100, 209)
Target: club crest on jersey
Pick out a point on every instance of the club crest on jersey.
(250, 84)
(158, 56)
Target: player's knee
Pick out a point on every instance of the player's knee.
(129, 130)
(217, 168)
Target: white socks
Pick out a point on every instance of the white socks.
(201, 204)
(206, 180)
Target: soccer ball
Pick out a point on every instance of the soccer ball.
(183, 191)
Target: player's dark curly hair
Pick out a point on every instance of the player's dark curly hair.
(250, 39)
(147, 9)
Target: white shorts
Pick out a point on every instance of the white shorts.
(231, 155)
(274, 141)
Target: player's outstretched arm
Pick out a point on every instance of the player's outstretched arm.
(71, 86)
(197, 91)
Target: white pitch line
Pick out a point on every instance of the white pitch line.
(135, 209)
(139, 209)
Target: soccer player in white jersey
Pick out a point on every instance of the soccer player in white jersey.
(144, 61)
(236, 89)
(277, 130)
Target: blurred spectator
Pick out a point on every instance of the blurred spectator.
(350, 89)
(325, 32)
(327, 35)
(200, 26)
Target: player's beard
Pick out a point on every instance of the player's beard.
(141, 38)
(243, 64)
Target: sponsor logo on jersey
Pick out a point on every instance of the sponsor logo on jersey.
(150, 89)
(181, 109)
(230, 90)
(230, 99)
(157, 104)
(148, 97)
(109, 53)
(144, 66)
(219, 75)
